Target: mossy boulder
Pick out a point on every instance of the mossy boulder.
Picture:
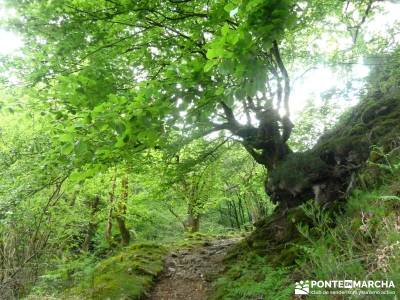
(127, 275)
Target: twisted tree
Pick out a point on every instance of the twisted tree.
(122, 76)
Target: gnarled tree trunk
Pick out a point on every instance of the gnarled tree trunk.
(326, 172)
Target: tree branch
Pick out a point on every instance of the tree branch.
(246, 112)
(250, 104)
(178, 217)
(217, 127)
(229, 114)
(279, 89)
(282, 68)
(257, 157)
(364, 18)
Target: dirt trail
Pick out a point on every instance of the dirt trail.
(188, 272)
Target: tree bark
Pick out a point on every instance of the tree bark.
(236, 214)
(121, 213)
(243, 220)
(325, 172)
(92, 226)
(193, 219)
(229, 210)
(109, 224)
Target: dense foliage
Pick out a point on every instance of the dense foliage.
(125, 125)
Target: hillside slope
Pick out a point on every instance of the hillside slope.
(349, 229)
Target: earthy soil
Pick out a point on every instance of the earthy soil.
(188, 273)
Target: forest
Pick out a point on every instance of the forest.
(199, 149)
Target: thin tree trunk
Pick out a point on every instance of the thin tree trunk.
(229, 206)
(178, 217)
(241, 211)
(193, 219)
(110, 212)
(248, 211)
(221, 215)
(92, 226)
(125, 235)
(236, 214)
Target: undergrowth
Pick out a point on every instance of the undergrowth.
(253, 278)
(128, 274)
(361, 242)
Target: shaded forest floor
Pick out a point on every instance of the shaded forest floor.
(188, 273)
(359, 241)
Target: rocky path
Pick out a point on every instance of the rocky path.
(188, 272)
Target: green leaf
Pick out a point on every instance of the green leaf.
(214, 53)
(67, 149)
(120, 142)
(218, 53)
(66, 137)
(252, 4)
(233, 37)
(225, 30)
(81, 148)
(210, 64)
(219, 91)
(229, 7)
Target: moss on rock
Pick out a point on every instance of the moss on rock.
(325, 172)
(127, 275)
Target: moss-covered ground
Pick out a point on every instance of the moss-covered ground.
(127, 275)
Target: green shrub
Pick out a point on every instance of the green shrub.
(252, 278)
